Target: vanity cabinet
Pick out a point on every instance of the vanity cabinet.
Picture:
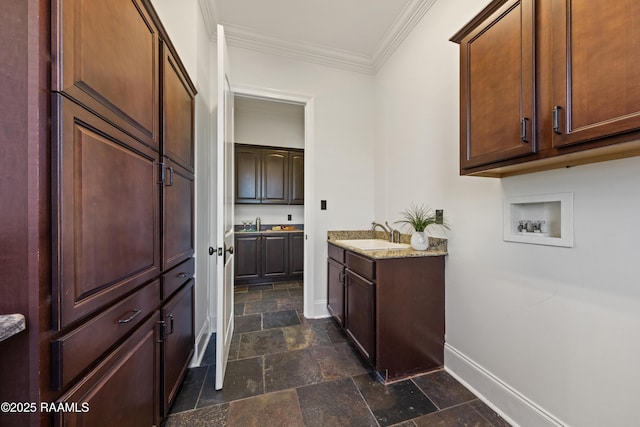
(546, 85)
(392, 309)
(269, 175)
(268, 256)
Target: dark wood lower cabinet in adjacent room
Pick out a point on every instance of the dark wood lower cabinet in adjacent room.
(268, 256)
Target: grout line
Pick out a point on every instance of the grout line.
(364, 400)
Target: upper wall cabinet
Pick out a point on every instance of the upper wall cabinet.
(596, 69)
(177, 112)
(269, 175)
(105, 57)
(546, 84)
(497, 87)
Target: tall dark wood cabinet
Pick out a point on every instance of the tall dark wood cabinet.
(110, 309)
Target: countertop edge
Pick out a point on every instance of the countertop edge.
(11, 324)
(390, 253)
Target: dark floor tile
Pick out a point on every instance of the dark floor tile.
(209, 356)
(443, 389)
(262, 287)
(243, 378)
(216, 415)
(290, 369)
(189, 392)
(260, 343)
(409, 423)
(240, 288)
(275, 294)
(254, 307)
(338, 361)
(289, 303)
(296, 292)
(248, 296)
(238, 309)
(489, 413)
(328, 328)
(273, 409)
(393, 403)
(280, 319)
(458, 416)
(248, 323)
(299, 337)
(287, 285)
(234, 348)
(334, 404)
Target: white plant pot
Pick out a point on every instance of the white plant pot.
(420, 241)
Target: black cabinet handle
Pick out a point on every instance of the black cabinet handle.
(170, 316)
(556, 119)
(170, 169)
(523, 129)
(135, 314)
(184, 275)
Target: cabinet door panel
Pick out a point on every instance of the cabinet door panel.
(248, 170)
(497, 87)
(107, 59)
(123, 389)
(107, 241)
(275, 251)
(248, 255)
(178, 214)
(296, 253)
(595, 69)
(296, 180)
(275, 176)
(177, 113)
(178, 345)
(335, 290)
(360, 314)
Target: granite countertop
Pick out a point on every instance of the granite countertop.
(437, 246)
(11, 324)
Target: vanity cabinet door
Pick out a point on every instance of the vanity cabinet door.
(596, 69)
(497, 86)
(360, 314)
(335, 290)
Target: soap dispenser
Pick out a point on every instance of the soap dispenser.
(258, 224)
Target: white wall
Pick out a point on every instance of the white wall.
(343, 145)
(547, 334)
(186, 27)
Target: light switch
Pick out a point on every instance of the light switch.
(323, 205)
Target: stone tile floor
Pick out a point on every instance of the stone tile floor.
(285, 370)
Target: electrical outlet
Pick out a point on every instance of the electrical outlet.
(289, 217)
(439, 216)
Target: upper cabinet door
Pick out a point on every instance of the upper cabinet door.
(105, 56)
(178, 232)
(296, 182)
(106, 195)
(497, 93)
(247, 174)
(596, 66)
(177, 112)
(275, 177)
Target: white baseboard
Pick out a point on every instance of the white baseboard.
(202, 340)
(514, 407)
(319, 310)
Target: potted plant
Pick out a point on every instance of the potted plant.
(419, 218)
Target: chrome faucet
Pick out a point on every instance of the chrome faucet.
(385, 229)
(395, 234)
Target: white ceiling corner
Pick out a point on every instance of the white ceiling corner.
(333, 46)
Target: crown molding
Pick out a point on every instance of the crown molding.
(401, 28)
(247, 38)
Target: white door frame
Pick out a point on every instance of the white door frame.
(308, 102)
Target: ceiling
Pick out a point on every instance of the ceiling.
(357, 35)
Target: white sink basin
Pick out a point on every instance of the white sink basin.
(373, 244)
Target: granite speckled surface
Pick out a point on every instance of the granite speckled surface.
(11, 324)
(437, 246)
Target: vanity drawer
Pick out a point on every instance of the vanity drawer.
(365, 267)
(176, 277)
(75, 351)
(336, 253)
